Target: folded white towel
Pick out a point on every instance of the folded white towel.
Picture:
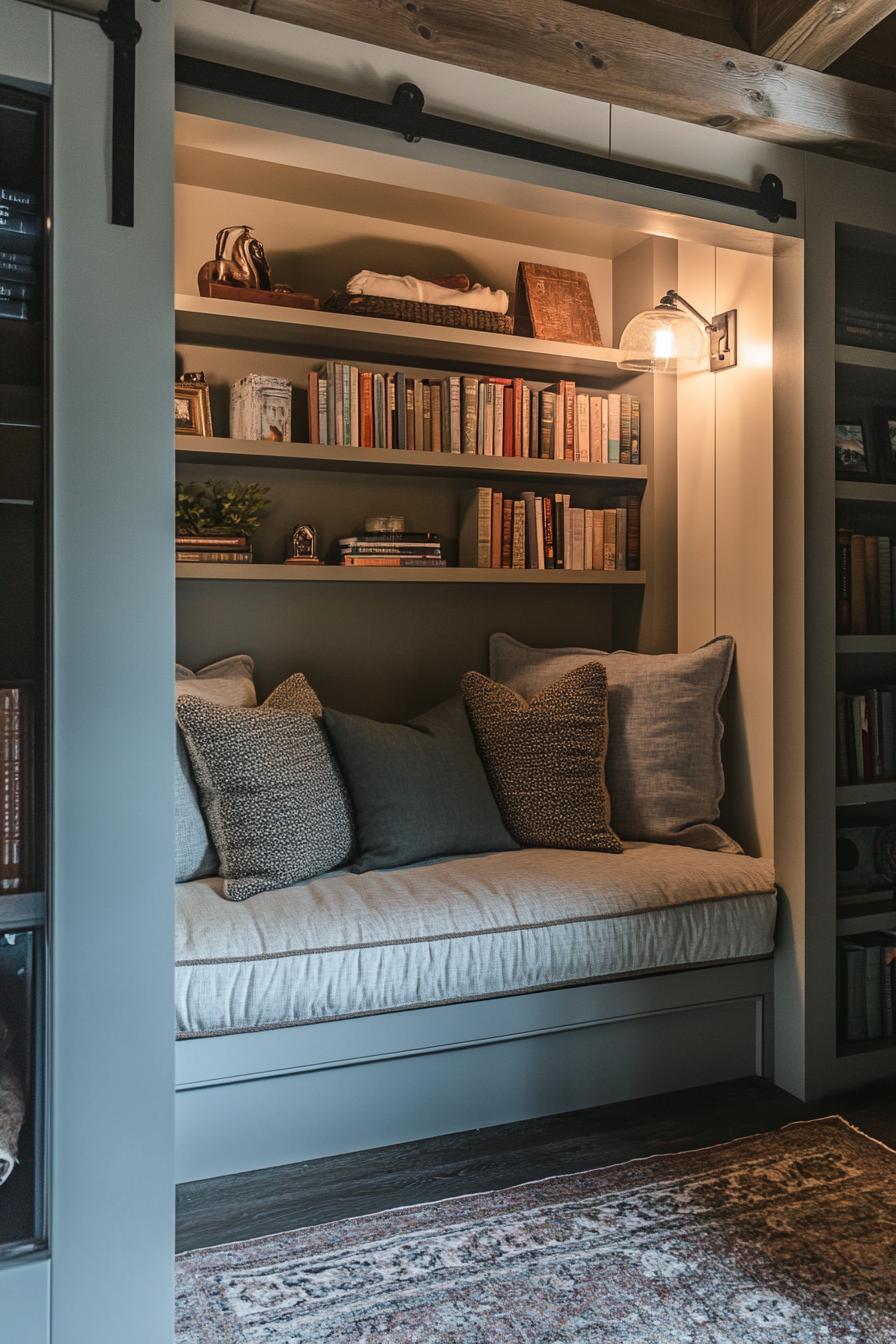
(424, 291)
(12, 1114)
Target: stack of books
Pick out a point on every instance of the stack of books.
(547, 532)
(866, 985)
(392, 550)
(210, 549)
(866, 735)
(865, 591)
(494, 417)
(20, 229)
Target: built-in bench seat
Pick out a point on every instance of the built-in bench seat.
(348, 945)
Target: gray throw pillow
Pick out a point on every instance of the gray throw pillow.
(664, 761)
(227, 682)
(271, 793)
(545, 758)
(418, 789)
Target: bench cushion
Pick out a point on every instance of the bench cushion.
(349, 944)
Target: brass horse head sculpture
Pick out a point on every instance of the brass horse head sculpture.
(239, 260)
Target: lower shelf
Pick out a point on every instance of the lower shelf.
(878, 791)
(347, 574)
(866, 1047)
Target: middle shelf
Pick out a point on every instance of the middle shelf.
(392, 461)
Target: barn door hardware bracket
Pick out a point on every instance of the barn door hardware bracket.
(119, 22)
(408, 102)
(405, 116)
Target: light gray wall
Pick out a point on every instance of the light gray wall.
(112, 1182)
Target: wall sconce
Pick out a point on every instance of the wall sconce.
(670, 338)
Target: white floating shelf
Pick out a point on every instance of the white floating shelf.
(395, 461)
(383, 574)
(322, 334)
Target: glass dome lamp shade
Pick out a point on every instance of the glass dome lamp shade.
(664, 339)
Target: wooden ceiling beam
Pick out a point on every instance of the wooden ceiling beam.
(619, 60)
(809, 33)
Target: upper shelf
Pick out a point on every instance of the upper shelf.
(863, 357)
(320, 333)
(393, 461)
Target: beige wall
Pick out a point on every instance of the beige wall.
(725, 497)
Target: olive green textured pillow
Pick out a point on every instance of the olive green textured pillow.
(545, 758)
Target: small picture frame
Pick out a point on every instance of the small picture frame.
(885, 442)
(192, 408)
(854, 449)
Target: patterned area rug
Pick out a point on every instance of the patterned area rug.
(785, 1238)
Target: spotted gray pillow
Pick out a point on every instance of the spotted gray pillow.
(272, 795)
(227, 682)
(545, 758)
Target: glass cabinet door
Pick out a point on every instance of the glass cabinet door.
(24, 614)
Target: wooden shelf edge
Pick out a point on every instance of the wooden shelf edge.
(850, 795)
(196, 317)
(866, 922)
(866, 644)
(865, 357)
(452, 574)
(866, 492)
(296, 455)
(846, 1048)
(22, 909)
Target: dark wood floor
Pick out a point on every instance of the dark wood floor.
(256, 1203)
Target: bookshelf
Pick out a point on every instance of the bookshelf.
(864, 383)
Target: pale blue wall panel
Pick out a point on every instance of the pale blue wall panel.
(111, 1229)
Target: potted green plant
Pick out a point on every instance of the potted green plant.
(216, 519)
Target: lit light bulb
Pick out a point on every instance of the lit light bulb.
(663, 343)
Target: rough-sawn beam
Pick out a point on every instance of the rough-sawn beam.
(811, 33)
(620, 60)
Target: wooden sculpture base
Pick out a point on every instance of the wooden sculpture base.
(212, 290)
(302, 560)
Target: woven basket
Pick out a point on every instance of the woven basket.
(405, 310)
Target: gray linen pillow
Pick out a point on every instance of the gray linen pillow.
(227, 682)
(664, 760)
(419, 789)
(273, 798)
(545, 758)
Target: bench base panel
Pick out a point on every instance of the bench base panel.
(264, 1099)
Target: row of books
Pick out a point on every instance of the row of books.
(495, 417)
(410, 550)
(16, 787)
(210, 549)
(547, 532)
(865, 591)
(20, 229)
(866, 735)
(866, 986)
